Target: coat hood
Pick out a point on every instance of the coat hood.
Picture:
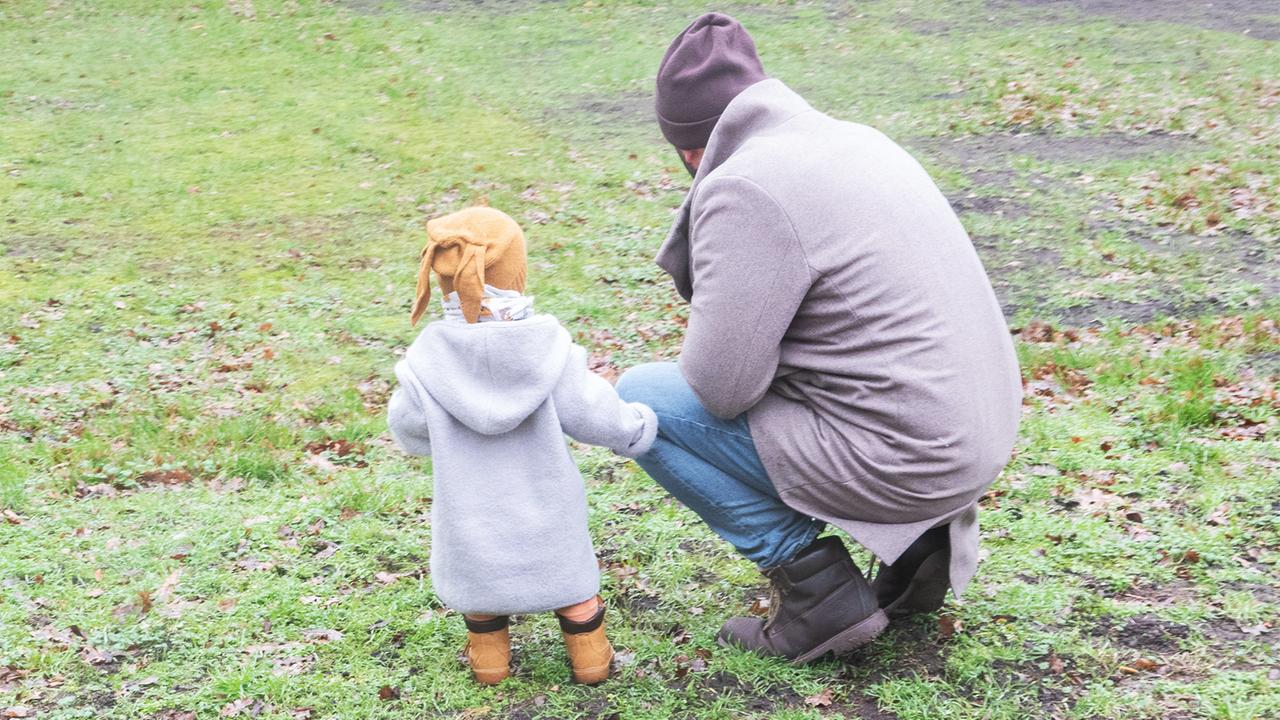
(756, 110)
(487, 376)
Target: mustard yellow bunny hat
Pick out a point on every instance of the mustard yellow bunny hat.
(467, 250)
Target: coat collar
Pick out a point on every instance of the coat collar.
(758, 109)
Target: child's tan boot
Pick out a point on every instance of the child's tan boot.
(589, 650)
(489, 649)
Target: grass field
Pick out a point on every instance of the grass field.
(210, 214)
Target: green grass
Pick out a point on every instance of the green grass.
(209, 226)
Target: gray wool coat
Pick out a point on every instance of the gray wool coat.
(836, 299)
(491, 403)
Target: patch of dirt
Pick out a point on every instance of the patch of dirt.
(1147, 632)
(1001, 178)
(867, 709)
(994, 152)
(1228, 256)
(1011, 267)
(633, 109)
(916, 651)
(324, 230)
(1169, 594)
(863, 706)
(1230, 632)
(1055, 679)
(748, 14)
(1223, 263)
(723, 683)
(929, 27)
(1237, 254)
(31, 246)
(1254, 18)
(1264, 363)
(1097, 311)
(989, 205)
(492, 7)
(636, 604)
(783, 697)
(1053, 690)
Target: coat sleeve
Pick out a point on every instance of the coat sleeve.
(749, 278)
(591, 412)
(405, 416)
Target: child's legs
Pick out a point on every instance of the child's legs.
(581, 612)
(577, 612)
(711, 465)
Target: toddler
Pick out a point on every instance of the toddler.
(489, 392)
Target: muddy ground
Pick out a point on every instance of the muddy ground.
(1255, 18)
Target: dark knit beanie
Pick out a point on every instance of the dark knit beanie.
(707, 65)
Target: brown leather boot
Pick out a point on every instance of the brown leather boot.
(918, 581)
(589, 650)
(489, 649)
(820, 604)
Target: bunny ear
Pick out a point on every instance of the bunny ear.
(424, 283)
(469, 282)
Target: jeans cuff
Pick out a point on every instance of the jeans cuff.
(815, 528)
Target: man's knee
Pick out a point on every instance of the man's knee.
(659, 385)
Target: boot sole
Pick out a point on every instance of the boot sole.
(491, 677)
(591, 676)
(927, 590)
(849, 639)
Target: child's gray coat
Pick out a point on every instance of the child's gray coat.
(491, 402)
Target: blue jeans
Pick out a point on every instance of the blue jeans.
(711, 465)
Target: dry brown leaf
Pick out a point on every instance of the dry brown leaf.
(94, 656)
(235, 707)
(321, 635)
(822, 699)
(249, 522)
(176, 476)
(948, 626)
(321, 463)
(1220, 516)
(327, 550)
(291, 665)
(336, 447)
(165, 591)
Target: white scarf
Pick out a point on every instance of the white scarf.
(503, 306)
